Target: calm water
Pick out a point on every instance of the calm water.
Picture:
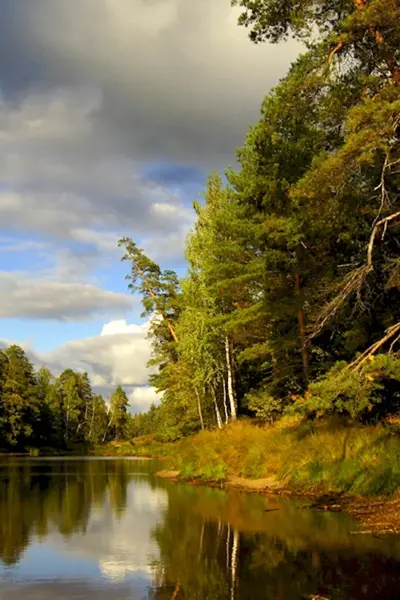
(101, 529)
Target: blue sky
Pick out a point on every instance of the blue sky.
(111, 116)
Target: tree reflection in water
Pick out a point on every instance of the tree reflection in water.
(225, 547)
(212, 544)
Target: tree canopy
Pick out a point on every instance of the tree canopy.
(290, 301)
(41, 412)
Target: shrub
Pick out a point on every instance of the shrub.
(368, 394)
(266, 408)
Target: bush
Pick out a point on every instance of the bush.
(265, 407)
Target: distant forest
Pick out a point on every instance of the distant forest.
(39, 411)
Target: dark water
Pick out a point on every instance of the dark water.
(101, 529)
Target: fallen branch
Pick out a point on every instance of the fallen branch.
(354, 280)
(392, 331)
(352, 283)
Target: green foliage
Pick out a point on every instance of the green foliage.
(40, 413)
(368, 394)
(293, 267)
(265, 408)
(118, 413)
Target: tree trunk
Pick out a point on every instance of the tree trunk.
(67, 424)
(92, 419)
(225, 400)
(109, 425)
(302, 329)
(231, 393)
(199, 407)
(217, 413)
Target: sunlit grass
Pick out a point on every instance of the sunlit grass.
(144, 446)
(327, 456)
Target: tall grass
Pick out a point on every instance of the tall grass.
(322, 457)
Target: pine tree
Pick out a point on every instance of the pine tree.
(118, 413)
(20, 406)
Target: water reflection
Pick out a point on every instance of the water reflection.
(109, 529)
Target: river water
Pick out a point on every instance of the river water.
(102, 529)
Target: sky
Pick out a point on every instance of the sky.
(112, 113)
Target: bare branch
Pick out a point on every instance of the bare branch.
(383, 222)
(336, 49)
(392, 331)
(354, 281)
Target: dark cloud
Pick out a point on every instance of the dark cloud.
(180, 175)
(179, 80)
(35, 298)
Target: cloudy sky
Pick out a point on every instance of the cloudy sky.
(112, 112)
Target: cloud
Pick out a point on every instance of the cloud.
(24, 296)
(169, 79)
(111, 114)
(143, 397)
(65, 181)
(117, 356)
(9, 244)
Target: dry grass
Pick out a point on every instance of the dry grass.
(144, 446)
(325, 457)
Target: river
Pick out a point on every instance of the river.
(102, 529)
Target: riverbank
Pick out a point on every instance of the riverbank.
(305, 457)
(318, 457)
(336, 466)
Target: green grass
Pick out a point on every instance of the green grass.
(323, 457)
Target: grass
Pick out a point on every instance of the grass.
(144, 446)
(324, 457)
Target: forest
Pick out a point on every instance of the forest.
(290, 304)
(40, 412)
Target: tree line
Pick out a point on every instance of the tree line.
(290, 302)
(38, 410)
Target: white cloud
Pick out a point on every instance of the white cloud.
(117, 356)
(143, 397)
(121, 326)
